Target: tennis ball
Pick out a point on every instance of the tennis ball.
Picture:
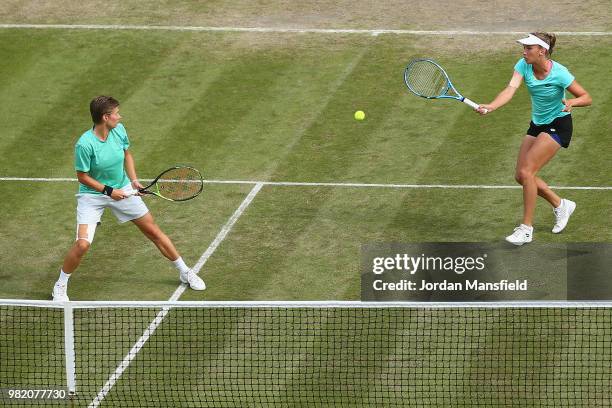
(360, 115)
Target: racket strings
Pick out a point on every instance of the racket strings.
(426, 79)
(180, 183)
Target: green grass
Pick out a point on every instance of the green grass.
(253, 107)
(270, 107)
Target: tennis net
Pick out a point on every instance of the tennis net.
(307, 354)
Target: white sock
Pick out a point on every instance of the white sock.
(180, 265)
(527, 227)
(63, 278)
(561, 204)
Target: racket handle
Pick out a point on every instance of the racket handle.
(132, 193)
(470, 103)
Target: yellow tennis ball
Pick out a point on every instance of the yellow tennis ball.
(360, 115)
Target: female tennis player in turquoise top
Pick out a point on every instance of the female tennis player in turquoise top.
(549, 130)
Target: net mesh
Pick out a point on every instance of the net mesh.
(425, 78)
(181, 183)
(31, 351)
(319, 357)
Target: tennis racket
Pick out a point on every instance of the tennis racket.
(179, 183)
(427, 79)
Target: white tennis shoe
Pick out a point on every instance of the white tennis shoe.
(194, 281)
(60, 293)
(563, 214)
(523, 234)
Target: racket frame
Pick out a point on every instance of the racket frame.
(145, 190)
(449, 85)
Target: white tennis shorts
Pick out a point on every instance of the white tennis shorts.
(90, 207)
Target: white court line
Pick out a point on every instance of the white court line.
(407, 186)
(175, 296)
(284, 29)
(330, 184)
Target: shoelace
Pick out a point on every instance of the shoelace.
(559, 212)
(521, 229)
(188, 275)
(60, 289)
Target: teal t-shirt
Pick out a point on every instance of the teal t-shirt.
(546, 94)
(102, 160)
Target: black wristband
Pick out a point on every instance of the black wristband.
(107, 190)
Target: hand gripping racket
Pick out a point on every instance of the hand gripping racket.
(427, 79)
(179, 183)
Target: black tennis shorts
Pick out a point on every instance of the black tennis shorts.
(559, 129)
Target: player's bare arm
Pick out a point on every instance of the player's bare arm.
(85, 178)
(582, 97)
(504, 96)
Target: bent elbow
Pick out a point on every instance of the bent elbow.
(81, 176)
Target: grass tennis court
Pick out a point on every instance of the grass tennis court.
(247, 107)
(251, 107)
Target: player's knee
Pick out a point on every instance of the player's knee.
(523, 174)
(520, 174)
(518, 177)
(82, 245)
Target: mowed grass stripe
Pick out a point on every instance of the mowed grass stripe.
(167, 95)
(343, 72)
(266, 103)
(335, 141)
(62, 86)
(36, 82)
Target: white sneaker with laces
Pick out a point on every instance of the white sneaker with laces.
(194, 281)
(60, 293)
(563, 214)
(523, 234)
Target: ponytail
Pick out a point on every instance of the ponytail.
(548, 38)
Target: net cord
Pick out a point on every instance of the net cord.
(304, 304)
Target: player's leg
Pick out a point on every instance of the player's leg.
(151, 230)
(561, 131)
(134, 209)
(562, 207)
(533, 155)
(89, 212)
(540, 153)
(85, 234)
(543, 190)
(523, 233)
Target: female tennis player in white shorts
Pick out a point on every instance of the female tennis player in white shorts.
(107, 176)
(549, 130)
